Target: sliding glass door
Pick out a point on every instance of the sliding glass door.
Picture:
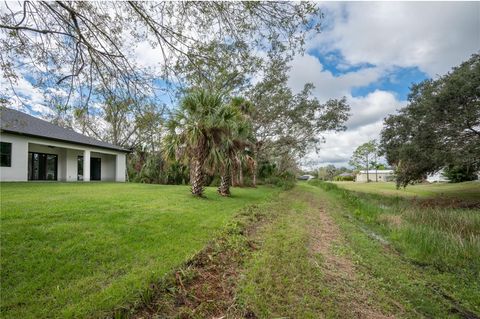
(42, 167)
(95, 168)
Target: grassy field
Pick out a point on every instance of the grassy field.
(468, 190)
(335, 254)
(85, 249)
(318, 250)
(442, 242)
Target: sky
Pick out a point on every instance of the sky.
(369, 52)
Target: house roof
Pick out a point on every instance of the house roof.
(20, 123)
(346, 174)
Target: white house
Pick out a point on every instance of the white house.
(385, 175)
(306, 177)
(33, 149)
(437, 177)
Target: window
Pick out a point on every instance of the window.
(5, 154)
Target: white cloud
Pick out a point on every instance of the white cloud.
(431, 35)
(372, 108)
(308, 68)
(27, 97)
(147, 56)
(364, 125)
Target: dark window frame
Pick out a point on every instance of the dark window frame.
(6, 158)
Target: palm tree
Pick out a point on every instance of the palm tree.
(232, 150)
(234, 145)
(195, 132)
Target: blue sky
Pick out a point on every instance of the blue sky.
(398, 79)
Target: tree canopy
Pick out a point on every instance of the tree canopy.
(286, 125)
(439, 127)
(81, 46)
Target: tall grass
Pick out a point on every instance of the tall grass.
(445, 238)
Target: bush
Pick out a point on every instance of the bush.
(344, 178)
(288, 180)
(458, 174)
(247, 181)
(266, 170)
(269, 174)
(151, 168)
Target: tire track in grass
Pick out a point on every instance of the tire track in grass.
(350, 295)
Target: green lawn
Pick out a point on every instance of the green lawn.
(467, 190)
(84, 249)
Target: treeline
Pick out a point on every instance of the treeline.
(438, 131)
(152, 168)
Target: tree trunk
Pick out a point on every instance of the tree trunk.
(254, 173)
(240, 176)
(224, 188)
(234, 173)
(368, 177)
(196, 177)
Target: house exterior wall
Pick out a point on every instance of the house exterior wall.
(72, 164)
(113, 163)
(120, 167)
(18, 171)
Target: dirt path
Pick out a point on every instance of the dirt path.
(339, 271)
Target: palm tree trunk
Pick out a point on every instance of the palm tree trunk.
(224, 188)
(237, 177)
(254, 173)
(368, 177)
(240, 176)
(234, 173)
(196, 177)
(253, 165)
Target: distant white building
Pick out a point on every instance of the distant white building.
(437, 177)
(306, 177)
(385, 175)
